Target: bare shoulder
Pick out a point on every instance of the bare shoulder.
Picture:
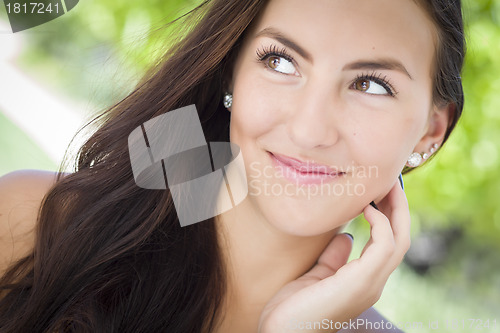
(21, 194)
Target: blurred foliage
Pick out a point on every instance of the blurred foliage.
(97, 52)
(18, 151)
(461, 186)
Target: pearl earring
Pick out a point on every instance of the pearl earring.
(228, 100)
(416, 159)
(431, 151)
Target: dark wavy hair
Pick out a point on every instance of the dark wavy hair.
(449, 58)
(112, 257)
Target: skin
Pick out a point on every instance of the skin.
(313, 109)
(21, 193)
(284, 254)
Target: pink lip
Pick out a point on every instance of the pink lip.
(301, 172)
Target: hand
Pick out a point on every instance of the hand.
(336, 291)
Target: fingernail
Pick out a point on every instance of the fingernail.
(348, 234)
(374, 206)
(401, 181)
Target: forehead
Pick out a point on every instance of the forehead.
(362, 28)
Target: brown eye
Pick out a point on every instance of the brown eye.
(362, 85)
(372, 86)
(279, 64)
(273, 62)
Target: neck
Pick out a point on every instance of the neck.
(261, 259)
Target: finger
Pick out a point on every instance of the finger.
(399, 222)
(333, 257)
(395, 207)
(400, 218)
(385, 206)
(381, 245)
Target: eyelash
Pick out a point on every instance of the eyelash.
(274, 50)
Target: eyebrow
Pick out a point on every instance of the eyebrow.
(384, 63)
(280, 37)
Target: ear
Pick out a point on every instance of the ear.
(440, 119)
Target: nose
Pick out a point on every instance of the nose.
(313, 122)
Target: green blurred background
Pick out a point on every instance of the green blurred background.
(94, 55)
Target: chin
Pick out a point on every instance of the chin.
(303, 218)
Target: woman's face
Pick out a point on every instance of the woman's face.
(330, 97)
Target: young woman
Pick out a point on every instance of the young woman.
(328, 100)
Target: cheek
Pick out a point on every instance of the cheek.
(386, 142)
(256, 108)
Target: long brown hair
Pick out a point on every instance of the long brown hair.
(112, 257)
